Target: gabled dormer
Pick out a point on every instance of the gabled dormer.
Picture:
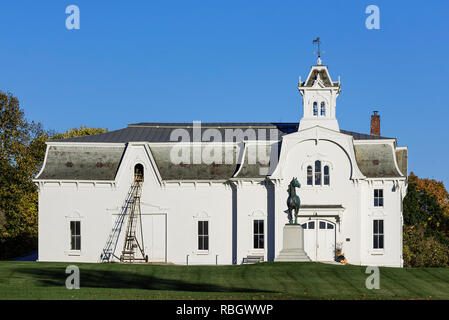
(319, 94)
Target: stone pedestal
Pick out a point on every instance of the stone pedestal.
(293, 244)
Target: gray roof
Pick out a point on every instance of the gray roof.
(257, 160)
(323, 75)
(376, 160)
(363, 136)
(402, 158)
(78, 162)
(82, 163)
(219, 168)
(165, 132)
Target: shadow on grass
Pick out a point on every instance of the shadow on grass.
(125, 280)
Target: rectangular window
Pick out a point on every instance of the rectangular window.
(378, 234)
(75, 235)
(317, 173)
(259, 234)
(309, 176)
(323, 110)
(203, 235)
(378, 197)
(326, 176)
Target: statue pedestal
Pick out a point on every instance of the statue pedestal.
(293, 244)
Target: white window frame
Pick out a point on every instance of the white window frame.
(257, 215)
(378, 198)
(378, 234)
(201, 216)
(74, 236)
(198, 235)
(328, 175)
(74, 216)
(315, 109)
(258, 234)
(312, 164)
(323, 108)
(376, 251)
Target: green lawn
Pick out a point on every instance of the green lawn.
(41, 280)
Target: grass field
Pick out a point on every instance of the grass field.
(41, 280)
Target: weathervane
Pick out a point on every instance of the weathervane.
(317, 41)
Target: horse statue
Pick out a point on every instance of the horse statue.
(293, 201)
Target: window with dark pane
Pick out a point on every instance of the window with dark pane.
(75, 235)
(311, 225)
(259, 239)
(315, 109)
(323, 109)
(378, 234)
(203, 235)
(317, 173)
(378, 197)
(309, 176)
(322, 225)
(326, 176)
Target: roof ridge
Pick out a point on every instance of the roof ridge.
(212, 124)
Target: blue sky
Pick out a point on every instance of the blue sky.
(179, 61)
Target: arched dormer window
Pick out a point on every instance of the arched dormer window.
(315, 109)
(323, 109)
(309, 176)
(326, 176)
(318, 173)
(138, 172)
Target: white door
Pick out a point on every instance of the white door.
(319, 240)
(325, 241)
(310, 239)
(154, 237)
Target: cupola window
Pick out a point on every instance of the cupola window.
(323, 109)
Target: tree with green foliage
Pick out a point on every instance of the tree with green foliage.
(78, 132)
(22, 151)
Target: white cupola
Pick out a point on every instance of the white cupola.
(319, 97)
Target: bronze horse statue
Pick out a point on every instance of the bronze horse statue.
(293, 201)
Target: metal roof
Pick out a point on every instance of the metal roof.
(376, 160)
(81, 163)
(84, 162)
(165, 132)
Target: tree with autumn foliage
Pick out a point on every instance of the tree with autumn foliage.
(426, 224)
(22, 151)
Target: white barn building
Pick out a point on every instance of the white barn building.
(216, 193)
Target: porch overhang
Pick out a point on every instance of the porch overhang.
(320, 210)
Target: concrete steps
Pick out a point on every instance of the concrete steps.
(292, 255)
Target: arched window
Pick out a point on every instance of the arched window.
(318, 173)
(138, 172)
(315, 109)
(309, 176)
(323, 109)
(326, 176)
